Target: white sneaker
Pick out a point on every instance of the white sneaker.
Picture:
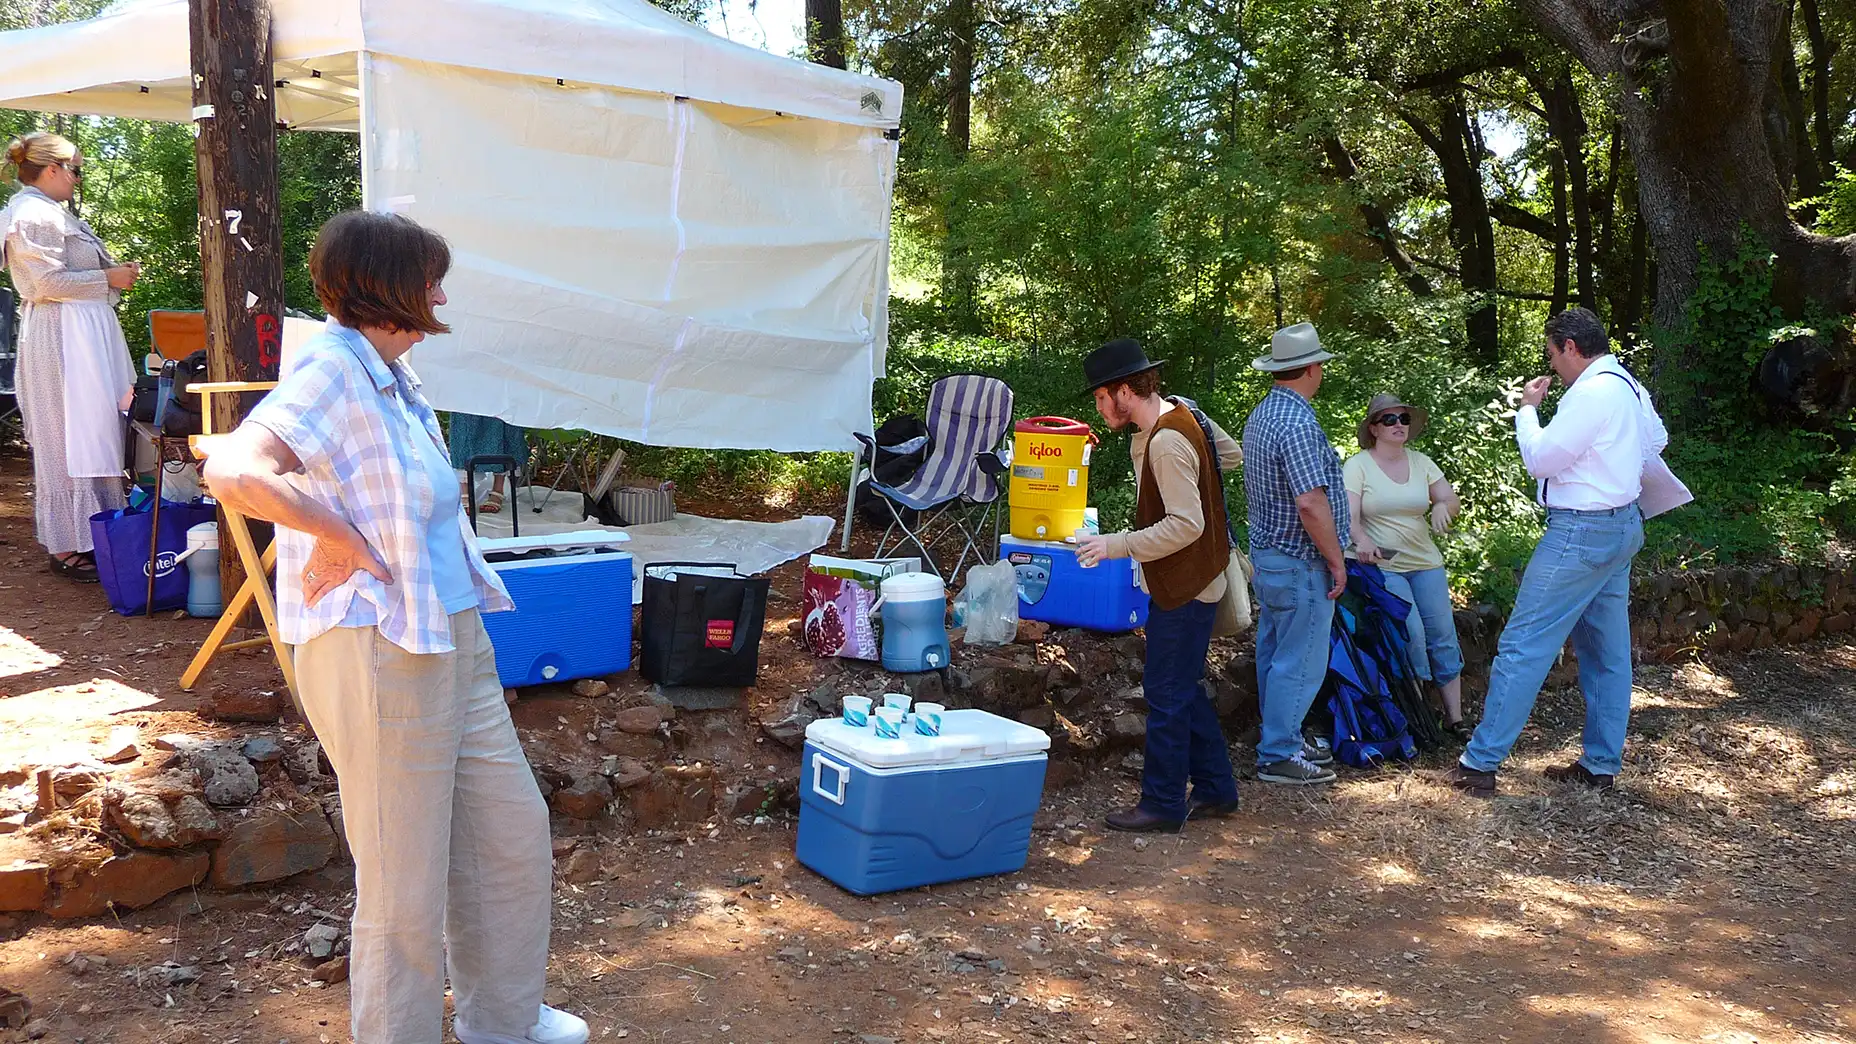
(555, 1027)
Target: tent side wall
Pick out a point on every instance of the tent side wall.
(664, 270)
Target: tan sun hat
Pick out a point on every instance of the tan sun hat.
(1387, 401)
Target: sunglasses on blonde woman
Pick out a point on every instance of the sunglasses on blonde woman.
(1388, 420)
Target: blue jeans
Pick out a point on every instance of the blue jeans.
(1294, 615)
(1184, 739)
(1431, 628)
(1578, 585)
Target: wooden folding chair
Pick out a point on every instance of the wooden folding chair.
(257, 586)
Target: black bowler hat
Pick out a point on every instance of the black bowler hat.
(1117, 360)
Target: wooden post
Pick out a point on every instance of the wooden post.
(241, 243)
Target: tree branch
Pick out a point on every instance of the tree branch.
(1527, 221)
(1507, 58)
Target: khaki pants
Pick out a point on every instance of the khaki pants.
(448, 829)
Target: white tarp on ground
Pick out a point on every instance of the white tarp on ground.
(753, 547)
(660, 235)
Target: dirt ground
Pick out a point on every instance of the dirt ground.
(1706, 900)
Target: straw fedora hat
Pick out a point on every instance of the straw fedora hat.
(1291, 347)
(1387, 401)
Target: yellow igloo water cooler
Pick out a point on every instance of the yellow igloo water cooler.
(1050, 477)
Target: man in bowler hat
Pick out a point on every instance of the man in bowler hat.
(1181, 540)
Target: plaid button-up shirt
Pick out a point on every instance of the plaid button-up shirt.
(350, 418)
(1286, 454)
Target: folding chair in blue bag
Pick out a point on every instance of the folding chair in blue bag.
(954, 495)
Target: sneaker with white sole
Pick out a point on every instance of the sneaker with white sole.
(1298, 771)
(1317, 752)
(554, 1027)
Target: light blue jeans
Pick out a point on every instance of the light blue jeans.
(1435, 653)
(1294, 615)
(1578, 585)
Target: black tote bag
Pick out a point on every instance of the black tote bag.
(701, 629)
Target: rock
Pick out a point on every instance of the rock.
(1038, 717)
(225, 776)
(1134, 764)
(626, 745)
(121, 746)
(871, 1038)
(24, 884)
(1002, 683)
(591, 688)
(790, 730)
(676, 794)
(695, 698)
(509, 697)
(262, 750)
(1032, 631)
(73, 781)
(270, 845)
(15, 1009)
(339, 827)
(14, 822)
(246, 705)
(304, 764)
(746, 800)
(129, 881)
(582, 867)
(641, 721)
(169, 974)
(1128, 728)
(1060, 774)
(319, 942)
(627, 773)
(332, 971)
(147, 821)
(179, 742)
(1838, 623)
(586, 798)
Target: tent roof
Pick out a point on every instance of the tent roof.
(132, 60)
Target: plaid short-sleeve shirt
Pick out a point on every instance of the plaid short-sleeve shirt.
(350, 417)
(1286, 454)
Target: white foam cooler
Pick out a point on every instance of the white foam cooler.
(573, 614)
(879, 815)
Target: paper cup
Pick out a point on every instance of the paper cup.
(898, 701)
(928, 718)
(888, 723)
(857, 711)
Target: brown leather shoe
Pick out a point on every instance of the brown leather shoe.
(1474, 782)
(1578, 773)
(1213, 809)
(1138, 820)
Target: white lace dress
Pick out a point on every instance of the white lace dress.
(55, 259)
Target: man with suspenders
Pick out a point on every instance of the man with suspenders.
(1590, 463)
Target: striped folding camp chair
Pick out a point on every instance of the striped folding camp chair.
(954, 496)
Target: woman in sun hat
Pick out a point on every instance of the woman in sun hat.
(1391, 489)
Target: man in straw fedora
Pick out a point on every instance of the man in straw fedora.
(1298, 528)
(1182, 541)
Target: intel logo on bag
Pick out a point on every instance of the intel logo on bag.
(164, 563)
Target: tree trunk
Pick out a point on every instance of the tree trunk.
(1694, 78)
(1562, 250)
(1566, 122)
(1458, 146)
(1823, 50)
(241, 240)
(825, 32)
(1378, 223)
(959, 282)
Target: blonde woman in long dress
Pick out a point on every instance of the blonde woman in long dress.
(74, 376)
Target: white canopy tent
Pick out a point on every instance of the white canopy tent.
(657, 234)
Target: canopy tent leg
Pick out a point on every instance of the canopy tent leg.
(850, 501)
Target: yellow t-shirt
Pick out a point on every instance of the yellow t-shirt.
(1397, 514)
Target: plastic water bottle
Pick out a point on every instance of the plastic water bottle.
(202, 557)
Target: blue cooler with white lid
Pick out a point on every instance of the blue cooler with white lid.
(573, 614)
(1055, 588)
(880, 815)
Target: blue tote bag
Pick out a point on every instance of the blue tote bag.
(122, 540)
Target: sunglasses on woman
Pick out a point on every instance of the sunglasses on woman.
(1403, 420)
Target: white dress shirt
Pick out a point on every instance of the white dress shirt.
(1592, 456)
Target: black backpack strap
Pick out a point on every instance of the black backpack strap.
(1211, 449)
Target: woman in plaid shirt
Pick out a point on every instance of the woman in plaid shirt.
(380, 586)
